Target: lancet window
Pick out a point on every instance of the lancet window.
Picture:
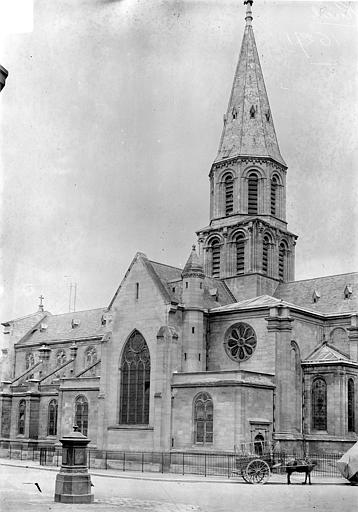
(229, 194)
(29, 360)
(240, 254)
(252, 196)
(21, 417)
(282, 257)
(215, 258)
(135, 382)
(319, 404)
(350, 404)
(81, 414)
(274, 195)
(265, 254)
(203, 419)
(52, 418)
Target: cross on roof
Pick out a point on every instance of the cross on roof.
(41, 307)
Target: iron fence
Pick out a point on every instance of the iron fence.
(185, 463)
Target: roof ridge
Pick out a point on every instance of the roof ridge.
(165, 265)
(320, 277)
(80, 311)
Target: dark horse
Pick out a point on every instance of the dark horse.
(301, 466)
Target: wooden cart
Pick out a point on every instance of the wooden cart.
(254, 462)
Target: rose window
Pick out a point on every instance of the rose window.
(240, 342)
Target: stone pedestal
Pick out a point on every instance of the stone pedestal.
(73, 482)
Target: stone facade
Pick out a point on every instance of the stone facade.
(228, 350)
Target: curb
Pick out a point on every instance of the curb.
(274, 479)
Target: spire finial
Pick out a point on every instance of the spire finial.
(248, 17)
(41, 306)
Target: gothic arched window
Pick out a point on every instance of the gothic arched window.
(135, 382)
(215, 258)
(274, 189)
(240, 254)
(60, 357)
(30, 360)
(229, 194)
(52, 418)
(90, 356)
(351, 416)
(203, 419)
(265, 254)
(81, 414)
(252, 194)
(282, 255)
(21, 417)
(319, 404)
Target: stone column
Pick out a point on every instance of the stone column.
(166, 363)
(280, 326)
(353, 338)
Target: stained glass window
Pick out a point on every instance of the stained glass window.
(319, 404)
(203, 419)
(135, 382)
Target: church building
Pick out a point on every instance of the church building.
(228, 350)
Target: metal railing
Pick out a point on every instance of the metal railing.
(185, 463)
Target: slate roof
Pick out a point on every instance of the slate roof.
(331, 293)
(171, 278)
(326, 354)
(248, 125)
(59, 327)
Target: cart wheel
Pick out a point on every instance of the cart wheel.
(243, 474)
(257, 472)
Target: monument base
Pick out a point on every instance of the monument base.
(73, 488)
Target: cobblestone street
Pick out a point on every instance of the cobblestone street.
(144, 492)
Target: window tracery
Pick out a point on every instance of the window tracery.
(135, 381)
(319, 404)
(81, 414)
(240, 342)
(203, 419)
(52, 418)
(61, 357)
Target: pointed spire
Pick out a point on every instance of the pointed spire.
(248, 124)
(193, 267)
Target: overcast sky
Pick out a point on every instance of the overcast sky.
(111, 119)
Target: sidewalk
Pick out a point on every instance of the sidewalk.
(169, 477)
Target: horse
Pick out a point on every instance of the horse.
(300, 466)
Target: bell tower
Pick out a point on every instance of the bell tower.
(247, 242)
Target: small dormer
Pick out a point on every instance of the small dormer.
(213, 292)
(43, 327)
(7, 328)
(348, 290)
(106, 318)
(316, 296)
(75, 323)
